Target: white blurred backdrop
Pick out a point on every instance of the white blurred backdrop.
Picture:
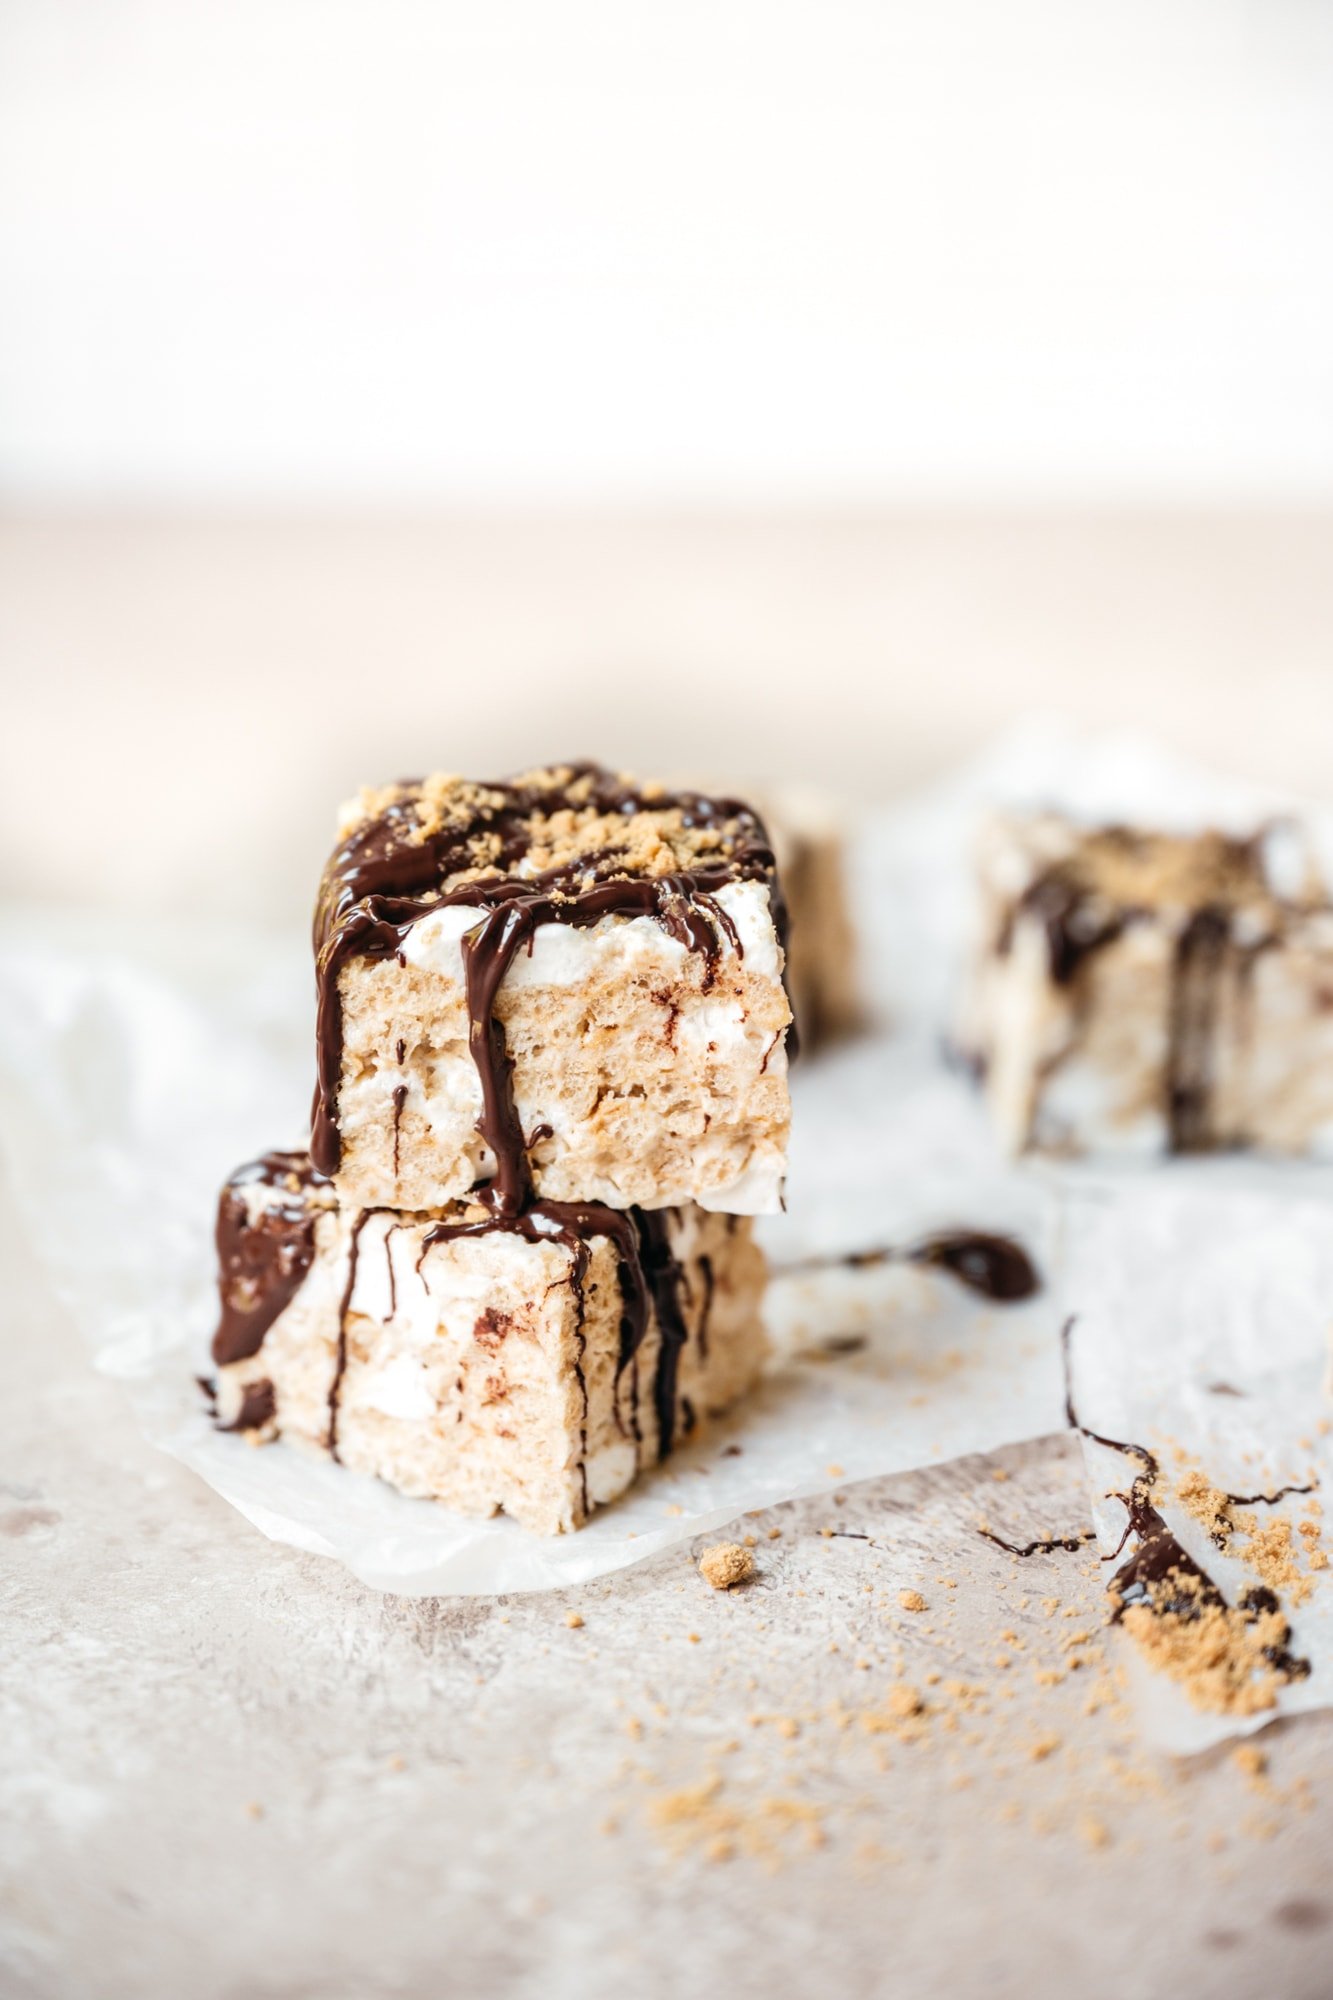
(722, 249)
(733, 388)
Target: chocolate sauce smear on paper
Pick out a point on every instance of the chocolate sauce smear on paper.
(995, 1266)
(261, 1264)
(1160, 1560)
(385, 877)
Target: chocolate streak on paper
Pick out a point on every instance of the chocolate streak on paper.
(385, 876)
(1046, 1546)
(995, 1266)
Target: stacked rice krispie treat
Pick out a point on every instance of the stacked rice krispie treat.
(516, 1265)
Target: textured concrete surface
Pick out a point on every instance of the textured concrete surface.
(225, 1769)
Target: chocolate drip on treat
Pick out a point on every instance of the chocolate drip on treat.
(706, 1304)
(258, 1404)
(1076, 925)
(344, 1307)
(389, 873)
(1161, 1574)
(650, 1275)
(578, 1281)
(1201, 951)
(661, 1274)
(262, 1260)
(996, 1266)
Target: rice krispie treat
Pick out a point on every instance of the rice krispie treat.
(1153, 992)
(810, 841)
(531, 1364)
(567, 985)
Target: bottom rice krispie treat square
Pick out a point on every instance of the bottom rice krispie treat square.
(531, 1365)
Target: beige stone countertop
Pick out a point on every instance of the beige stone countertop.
(227, 1769)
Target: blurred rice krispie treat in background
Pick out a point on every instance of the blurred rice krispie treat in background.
(1152, 992)
(810, 836)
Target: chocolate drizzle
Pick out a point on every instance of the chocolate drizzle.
(263, 1259)
(389, 873)
(1201, 951)
(1046, 1545)
(650, 1277)
(344, 1307)
(706, 1304)
(1075, 924)
(258, 1404)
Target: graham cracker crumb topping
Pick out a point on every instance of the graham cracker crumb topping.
(555, 818)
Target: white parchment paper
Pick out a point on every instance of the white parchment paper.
(1203, 1298)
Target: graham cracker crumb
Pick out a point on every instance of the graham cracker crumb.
(1270, 1550)
(911, 1600)
(726, 1565)
(1220, 1655)
(1207, 1503)
(573, 1620)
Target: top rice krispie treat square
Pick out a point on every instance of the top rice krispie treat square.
(567, 985)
